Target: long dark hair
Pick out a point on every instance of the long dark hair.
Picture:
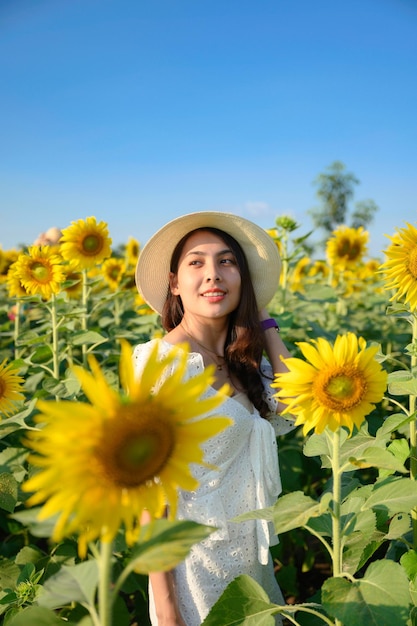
(244, 342)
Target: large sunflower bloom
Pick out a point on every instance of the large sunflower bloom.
(400, 269)
(10, 389)
(347, 247)
(339, 385)
(85, 243)
(104, 462)
(40, 271)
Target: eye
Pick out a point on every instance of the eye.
(228, 261)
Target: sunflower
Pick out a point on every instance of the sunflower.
(74, 284)
(400, 269)
(10, 389)
(318, 268)
(113, 271)
(346, 248)
(339, 385)
(14, 284)
(40, 271)
(104, 462)
(142, 307)
(132, 251)
(85, 243)
(6, 261)
(299, 274)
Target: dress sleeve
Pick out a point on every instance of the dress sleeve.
(281, 425)
(140, 357)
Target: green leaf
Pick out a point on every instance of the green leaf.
(380, 458)
(43, 354)
(17, 421)
(402, 383)
(9, 573)
(29, 518)
(399, 526)
(163, 544)
(28, 554)
(394, 495)
(393, 423)
(87, 337)
(290, 511)
(77, 583)
(35, 615)
(380, 598)
(242, 602)
(8, 492)
(320, 445)
(409, 563)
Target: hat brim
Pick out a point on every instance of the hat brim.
(153, 266)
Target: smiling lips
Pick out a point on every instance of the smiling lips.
(214, 294)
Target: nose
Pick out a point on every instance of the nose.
(212, 272)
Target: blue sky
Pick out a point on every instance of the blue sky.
(137, 111)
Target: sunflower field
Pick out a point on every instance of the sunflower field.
(85, 448)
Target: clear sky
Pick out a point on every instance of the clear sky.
(137, 111)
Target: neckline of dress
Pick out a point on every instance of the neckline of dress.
(198, 354)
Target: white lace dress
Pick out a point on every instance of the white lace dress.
(247, 478)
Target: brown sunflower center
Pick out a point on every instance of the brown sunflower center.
(92, 244)
(412, 262)
(134, 451)
(340, 389)
(115, 272)
(40, 272)
(348, 249)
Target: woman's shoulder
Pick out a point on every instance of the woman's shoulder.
(147, 347)
(142, 351)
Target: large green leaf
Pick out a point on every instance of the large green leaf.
(87, 337)
(380, 598)
(394, 495)
(35, 615)
(163, 544)
(244, 603)
(378, 457)
(77, 583)
(402, 383)
(290, 511)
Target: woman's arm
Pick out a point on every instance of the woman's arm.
(274, 348)
(162, 585)
(166, 607)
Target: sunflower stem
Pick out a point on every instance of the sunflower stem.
(336, 521)
(16, 330)
(84, 314)
(105, 599)
(336, 528)
(413, 430)
(54, 324)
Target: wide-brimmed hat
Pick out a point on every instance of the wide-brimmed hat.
(153, 267)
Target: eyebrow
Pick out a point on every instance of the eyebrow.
(201, 253)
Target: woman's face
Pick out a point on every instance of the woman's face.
(208, 278)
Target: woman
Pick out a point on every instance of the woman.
(210, 276)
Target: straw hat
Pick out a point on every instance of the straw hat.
(153, 267)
